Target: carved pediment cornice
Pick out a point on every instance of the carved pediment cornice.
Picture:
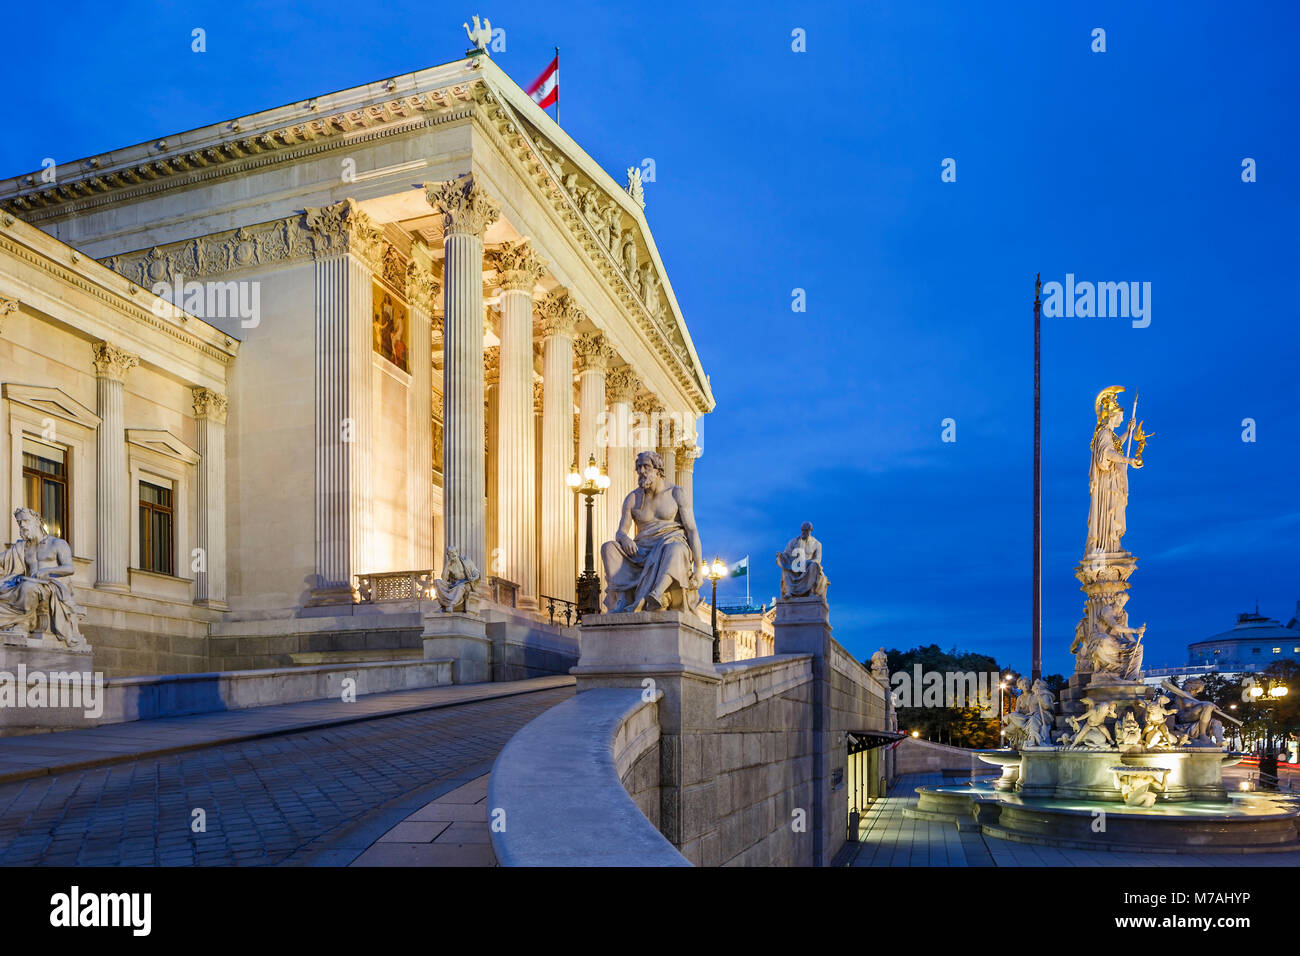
(605, 230)
(148, 168)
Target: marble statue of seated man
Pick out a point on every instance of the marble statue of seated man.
(35, 590)
(659, 569)
(801, 566)
(457, 589)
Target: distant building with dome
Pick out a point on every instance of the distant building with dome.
(1250, 645)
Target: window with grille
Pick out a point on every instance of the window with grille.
(157, 544)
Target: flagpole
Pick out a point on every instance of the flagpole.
(748, 602)
(557, 86)
(1036, 625)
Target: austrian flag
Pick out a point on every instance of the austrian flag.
(545, 90)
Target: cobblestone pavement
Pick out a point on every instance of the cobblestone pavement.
(888, 838)
(306, 797)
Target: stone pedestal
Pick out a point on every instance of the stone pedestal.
(46, 686)
(463, 639)
(672, 652)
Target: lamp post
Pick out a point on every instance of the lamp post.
(590, 482)
(1268, 777)
(713, 572)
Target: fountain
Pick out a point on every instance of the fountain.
(1115, 763)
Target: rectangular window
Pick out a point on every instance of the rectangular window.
(1277, 650)
(157, 544)
(45, 485)
(1254, 650)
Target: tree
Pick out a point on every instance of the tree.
(963, 726)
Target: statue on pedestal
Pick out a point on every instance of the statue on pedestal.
(880, 667)
(1108, 474)
(1090, 730)
(659, 569)
(36, 596)
(1029, 722)
(801, 566)
(1116, 649)
(457, 589)
(1197, 720)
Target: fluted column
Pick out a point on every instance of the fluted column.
(686, 455)
(491, 438)
(467, 213)
(346, 247)
(620, 387)
(557, 537)
(667, 437)
(210, 497)
(594, 357)
(518, 270)
(112, 506)
(424, 291)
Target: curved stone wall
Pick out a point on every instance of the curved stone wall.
(556, 796)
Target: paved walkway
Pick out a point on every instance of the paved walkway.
(451, 830)
(302, 784)
(38, 755)
(887, 838)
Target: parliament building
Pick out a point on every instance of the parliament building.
(261, 374)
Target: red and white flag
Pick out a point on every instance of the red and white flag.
(545, 90)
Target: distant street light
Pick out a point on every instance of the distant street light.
(714, 572)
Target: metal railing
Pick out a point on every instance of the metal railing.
(567, 610)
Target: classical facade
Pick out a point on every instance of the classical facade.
(439, 304)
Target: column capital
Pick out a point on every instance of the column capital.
(685, 457)
(560, 314)
(492, 365)
(423, 288)
(518, 266)
(210, 405)
(342, 227)
(620, 384)
(112, 362)
(466, 209)
(592, 352)
(647, 403)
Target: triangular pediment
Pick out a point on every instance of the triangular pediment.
(51, 401)
(163, 442)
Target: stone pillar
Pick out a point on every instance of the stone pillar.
(647, 409)
(518, 270)
(347, 249)
(210, 496)
(667, 436)
(593, 359)
(113, 512)
(492, 455)
(424, 291)
(803, 626)
(620, 387)
(686, 455)
(557, 537)
(467, 213)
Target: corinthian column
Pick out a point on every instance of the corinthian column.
(210, 494)
(518, 270)
(346, 247)
(112, 508)
(467, 213)
(686, 455)
(594, 357)
(620, 387)
(557, 539)
(424, 292)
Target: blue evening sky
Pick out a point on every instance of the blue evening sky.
(820, 170)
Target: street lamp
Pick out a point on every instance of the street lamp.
(590, 482)
(1002, 704)
(1268, 756)
(714, 572)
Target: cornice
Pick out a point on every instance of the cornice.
(94, 185)
(137, 311)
